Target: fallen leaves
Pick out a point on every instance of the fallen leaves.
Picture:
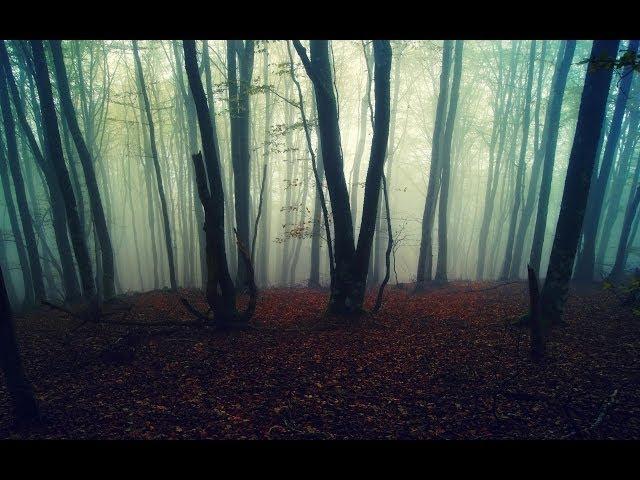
(444, 366)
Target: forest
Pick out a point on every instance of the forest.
(319, 239)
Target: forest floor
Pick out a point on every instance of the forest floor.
(442, 364)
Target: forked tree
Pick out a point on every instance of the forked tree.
(351, 260)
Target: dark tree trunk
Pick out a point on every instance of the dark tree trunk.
(586, 262)
(212, 196)
(576, 188)
(362, 137)
(538, 332)
(23, 257)
(553, 118)
(95, 202)
(377, 255)
(20, 391)
(425, 256)
(534, 181)
(617, 272)
(506, 266)
(240, 73)
(37, 279)
(351, 263)
(54, 149)
(59, 220)
(441, 269)
(617, 186)
(193, 142)
(314, 275)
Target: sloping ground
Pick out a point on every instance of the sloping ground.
(441, 364)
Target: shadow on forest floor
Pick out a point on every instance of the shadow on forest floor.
(440, 364)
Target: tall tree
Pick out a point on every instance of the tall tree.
(95, 202)
(502, 110)
(212, 196)
(37, 279)
(351, 261)
(240, 56)
(54, 149)
(619, 181)
(586, 260)
(59, 220)
(536, 169)
(265, 238)
(631, 212)
(425, 256)
(553, 118)
(23, 256)
(506, 266)
(156, 165)
(441, 268)
(576, 187)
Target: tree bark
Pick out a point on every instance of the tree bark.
(617, 186)
(54, 149)
(441, 269)
(617, 272)
(95, 202)
(586, 261)
(240, 69)
(351, 262)
(212, 196)
(534, 180)
(59, 220)
(19, 388)
(37, 279)
(425, 256)
(576, 188)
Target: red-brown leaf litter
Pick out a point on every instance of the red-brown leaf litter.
(447, 363)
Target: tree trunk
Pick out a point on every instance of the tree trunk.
(585, 266)
(265, 238)
(37, 279)
(212, 197)
(617, 272)
(553, 118)
(377, 255)
(314, 275)
(351, 263)
(23, 257)
(576, 188)
(193, 142)
(19, 388)
(59, 220)
(95, 202)
(506, 266)
(239, 85)
(617, 187)
(498, 134)
(156, 165)
(425, 256)
(54, 148)
(441, 270)
(534, 180)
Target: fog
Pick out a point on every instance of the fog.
(486, 148)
